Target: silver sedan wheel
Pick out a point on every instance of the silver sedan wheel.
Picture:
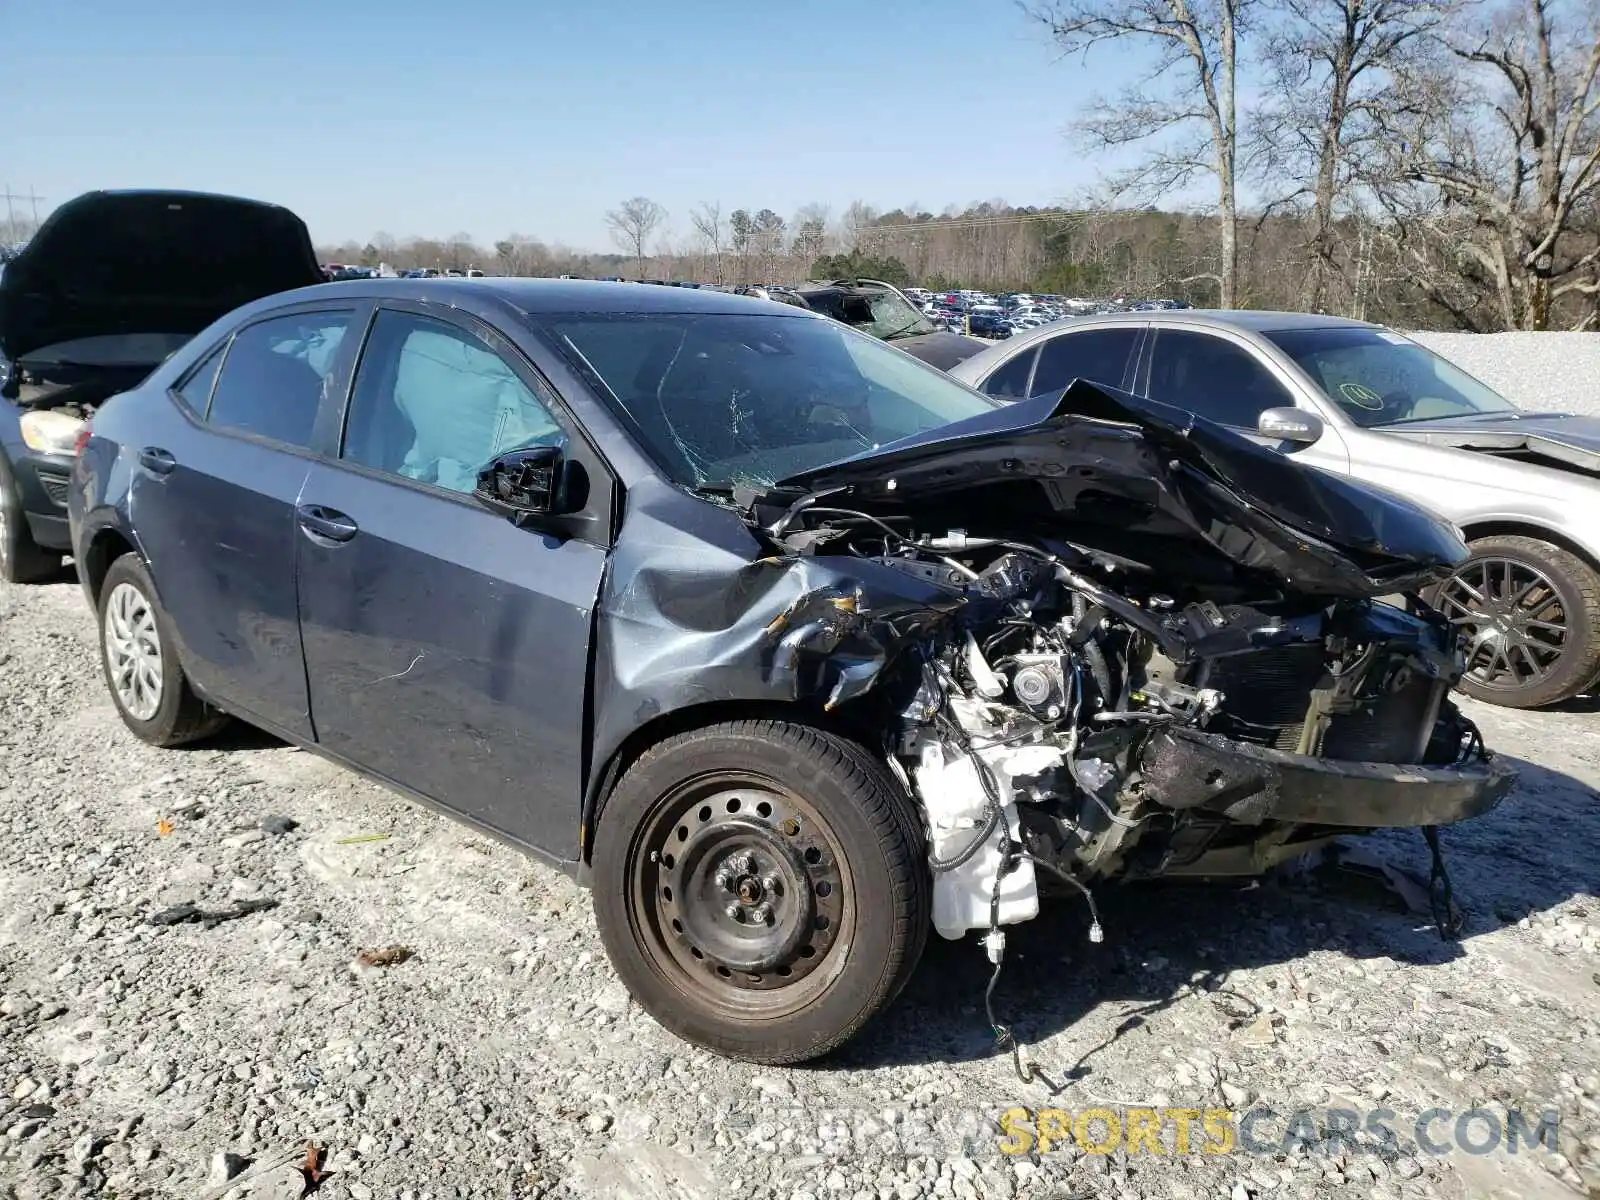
(1514, 619)
(133, 652)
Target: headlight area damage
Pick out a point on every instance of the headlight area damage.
(1096, 639)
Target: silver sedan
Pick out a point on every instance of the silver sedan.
(1362, 400)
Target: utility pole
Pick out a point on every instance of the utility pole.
(33, 199)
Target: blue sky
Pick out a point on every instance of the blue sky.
(494, 116)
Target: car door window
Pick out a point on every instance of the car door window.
(274, 375)
(434, 402)
(1098, 355)
(195, 391)
(1214, 378)
(1010, 382)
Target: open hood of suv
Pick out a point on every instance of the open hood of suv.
(1102, 468)
(147, 262)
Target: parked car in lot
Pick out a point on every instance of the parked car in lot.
(785, 642)
(112, 283)
(1369, 403)
(879, 308)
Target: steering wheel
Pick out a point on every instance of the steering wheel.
(1397, 405)
(1389, 406)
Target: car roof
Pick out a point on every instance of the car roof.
(533, 296)
(1241, 320)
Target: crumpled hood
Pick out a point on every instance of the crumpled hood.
(1562, 440)
(1102, 467)
(127, 262)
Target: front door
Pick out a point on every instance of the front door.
(446, 649)
(1225, 381)
(213, 498)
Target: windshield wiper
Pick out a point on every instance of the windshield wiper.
(906, 331)
(1516, 415)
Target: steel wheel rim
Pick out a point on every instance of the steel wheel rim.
(133, 652)
(715, 852)
(1513, 619)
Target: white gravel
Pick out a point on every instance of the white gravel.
(505, 1060)
(1545, 371)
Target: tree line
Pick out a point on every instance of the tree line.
(1426, 162)
(1432, 163)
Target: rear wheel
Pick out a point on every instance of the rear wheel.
(761, 887)
(1531, 613)
(22, 560)
(138, 653)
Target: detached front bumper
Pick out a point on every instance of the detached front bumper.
(1189, 769)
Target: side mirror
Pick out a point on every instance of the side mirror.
(1294, 425)
(522, 484)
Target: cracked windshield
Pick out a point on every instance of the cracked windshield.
(749, 400)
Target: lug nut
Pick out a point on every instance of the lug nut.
(760, 913)
(744, 863)
(770, 881)
(724, 879)
(733, 911)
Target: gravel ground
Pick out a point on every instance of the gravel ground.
(1535, 370)
(504, 1059)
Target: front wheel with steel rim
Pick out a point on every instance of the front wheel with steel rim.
(142, 671)
(1529, 615)
(761, 887)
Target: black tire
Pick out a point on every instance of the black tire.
(813, 800)
(180, 716)
(1569, 596)
(22, 560)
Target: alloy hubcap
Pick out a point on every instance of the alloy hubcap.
(744, 893)
(133, 652)
(1513, 619)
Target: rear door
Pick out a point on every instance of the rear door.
(213, 501)
(1104, 354)
(446, 649)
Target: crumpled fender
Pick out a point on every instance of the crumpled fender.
(697, 613)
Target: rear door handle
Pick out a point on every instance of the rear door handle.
(153, 458)
(326, 523)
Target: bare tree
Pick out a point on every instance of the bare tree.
(855, 224)
(707, 221)
(522, 256)
(1335, 70)
(632, 224)
(1512, 141)
(810, 236)
(1188, 104)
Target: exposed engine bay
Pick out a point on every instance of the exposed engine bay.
(1075, 723)
(1095, 638)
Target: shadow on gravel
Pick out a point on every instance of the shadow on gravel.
(1589, 702)
(1165, 942)
(237, 736)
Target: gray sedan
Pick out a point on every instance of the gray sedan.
(1362, 400)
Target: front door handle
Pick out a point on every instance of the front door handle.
(326, 523)
(153, 458)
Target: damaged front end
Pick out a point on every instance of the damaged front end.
(1126, 664)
